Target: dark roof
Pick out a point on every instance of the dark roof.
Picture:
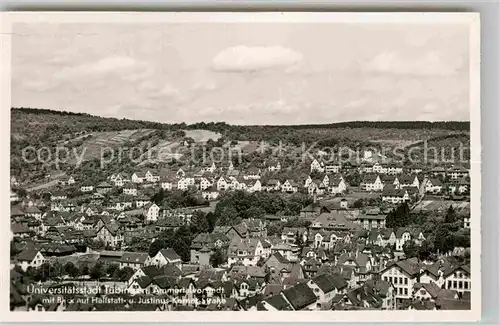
(300, 296)
(170, 254)
(27, 255)
(278, 302)
(329, 282)
(134, 257)
(19, 228)
(453, 304)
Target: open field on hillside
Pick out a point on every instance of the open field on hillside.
(78, 258)
(202, 135)
(164, 151)
(382, 135)
(441, 205)
(103, 141)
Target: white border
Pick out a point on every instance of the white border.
(8, 18)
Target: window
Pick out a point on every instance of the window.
(466, 285)
(406, 291)
(454, 284)
(460, 284)
(449, 284)
(406, 280)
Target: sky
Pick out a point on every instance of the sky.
(244, 73)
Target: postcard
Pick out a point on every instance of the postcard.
(241, 167)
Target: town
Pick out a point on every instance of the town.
(214, 236)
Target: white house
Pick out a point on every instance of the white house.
(29, 258)
(337, 185)
(327, 286)
(150, 177)
(458, 278)
(403, 275)
(274, 166)
(138, 177)
(164, 257)
(247, 251)
(289, 186)
(150, 212)
(433, 186)
(317, 166)
(223, 183)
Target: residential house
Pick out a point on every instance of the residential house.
(110, 234)
(87, 187)
(317, 166)
(433, 186)
(248, 251)
(165, 256)
(371, 219)
(104, 188)
(151, 177)
(209, 167)
(372, 183)
(273, 185)
(458, 278)
(29, 258)
(289, 186)
(393, 169)
(211, 193)
(337, 185)
(223, 183)
(403, 275)
(394, 195)
(274, 166)
(138, 177)
(168, 182)
(301, 297)
(402, 236)
(333, 168)
(409, 181)
(134, 260)
(457, 172)
(151, 212)
(252, 173)
(130, 189)
(327, 286)
(58, 196)
(120, 179)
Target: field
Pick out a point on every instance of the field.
(202, 135)
(162, 152)
(78, 258)
(106, 141)
(441, 205)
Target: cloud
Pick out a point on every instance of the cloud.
(430, 64)
(244, 58)
(112, 64)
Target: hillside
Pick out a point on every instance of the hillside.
(86, 136)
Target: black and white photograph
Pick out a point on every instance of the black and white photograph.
(203, 164)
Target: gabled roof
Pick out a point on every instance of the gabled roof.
(27, 255)
(278, 302)
(330, 282)
(370, 178)
(170, 254)
(134, 257)
(300, 296)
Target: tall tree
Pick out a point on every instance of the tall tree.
(450, 216)
(217, 258)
